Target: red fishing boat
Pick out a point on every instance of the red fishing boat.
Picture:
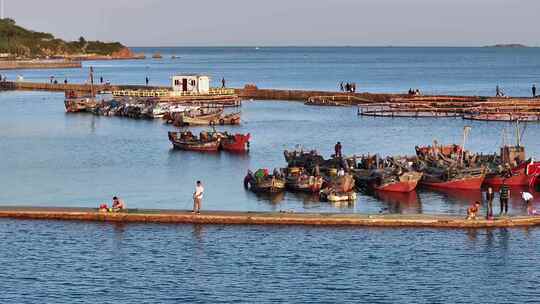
(467, 182)
(392, 174)
(206, 142)
(235, 143)
(510, 167)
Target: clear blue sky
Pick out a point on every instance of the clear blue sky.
(285, 22)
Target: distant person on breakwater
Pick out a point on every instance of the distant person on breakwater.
(504, 196)
(472, 211)
(118, 204)
(341, 88)
(489, 199)
(101, 79)
(353, 87)
(197, 197)
(223, 82)
(534, 90)
(337, 150)
(65, 81)
(147, 80)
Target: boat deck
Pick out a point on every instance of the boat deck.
(262, 218)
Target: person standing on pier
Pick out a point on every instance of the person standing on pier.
(504, 196)
(223, 82)
(489, 198)
(197, 197)
(341, 88)
(147, 80)
(497, 91)
(534, 90)
(101, 79)
(337, 150)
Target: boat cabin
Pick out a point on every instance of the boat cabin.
(509, 154)
(197, 84)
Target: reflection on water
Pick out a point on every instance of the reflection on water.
(396, 202)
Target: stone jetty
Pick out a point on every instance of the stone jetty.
(263, 218)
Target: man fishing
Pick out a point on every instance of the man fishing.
(197, 197)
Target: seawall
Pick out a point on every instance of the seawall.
(263, 218)
(39, 64)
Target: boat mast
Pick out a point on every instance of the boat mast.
(92, 82)
(466, 130)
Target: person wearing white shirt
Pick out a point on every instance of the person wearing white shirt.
(197, 197)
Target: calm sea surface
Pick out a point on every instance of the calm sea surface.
(49, 158)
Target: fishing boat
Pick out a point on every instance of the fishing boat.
(389, 174)
(205, 142)
(235, 143)
(199, 117)
(450, 166)
(511, 167)
(299, 180)
(339, 188)
(80, 103)
(262, 181)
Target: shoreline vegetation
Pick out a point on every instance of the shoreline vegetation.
(20, 44)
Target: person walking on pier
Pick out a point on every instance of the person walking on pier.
(197, 197)
(489, 199)
(337, 150)
(534, 90)
(223, 82)
(504, 196)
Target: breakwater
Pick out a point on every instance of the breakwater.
(39, 64)
(262, 218)
(61, 87)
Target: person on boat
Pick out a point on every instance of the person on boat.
(504, 196)
(337, 150)
(472, 211)
(197, 197)
(489, 199)
(118, 204)
(534, 90)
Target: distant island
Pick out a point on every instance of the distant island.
(17, 42)
(509, 45)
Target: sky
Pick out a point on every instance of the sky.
(285, 22)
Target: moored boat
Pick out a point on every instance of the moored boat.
(235, 143)
(299, 180)
(262, 181)
(389, 174)
(206, 142)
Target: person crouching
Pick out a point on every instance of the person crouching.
(472, 211)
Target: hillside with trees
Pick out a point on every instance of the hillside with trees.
(23, 43)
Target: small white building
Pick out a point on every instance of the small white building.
(197, 84)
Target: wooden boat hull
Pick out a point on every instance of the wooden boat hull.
(194, 145)
(407, 182)
(406, 186)
(273, 185)
(466, 183)
(236, 143)
(341, 197)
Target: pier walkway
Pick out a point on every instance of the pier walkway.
(263, 218)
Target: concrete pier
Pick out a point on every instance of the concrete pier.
(39, 64)
(263, 218)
